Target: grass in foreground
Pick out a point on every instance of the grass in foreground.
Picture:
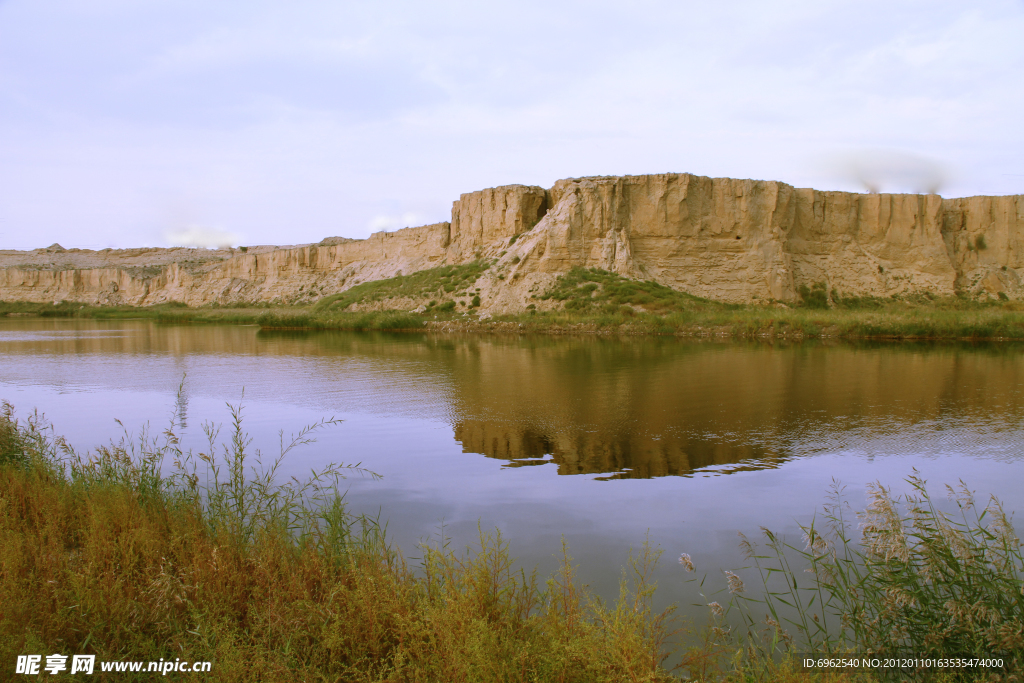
(212, 559)
(921, 584)
(105, 555)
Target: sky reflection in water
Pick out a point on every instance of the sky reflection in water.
(477, 430)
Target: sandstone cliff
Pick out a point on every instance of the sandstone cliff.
(720, 238)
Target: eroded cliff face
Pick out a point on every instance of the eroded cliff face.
(720, 238)
(984, 239)
(494, 215)
(287, 274)
(745, 240)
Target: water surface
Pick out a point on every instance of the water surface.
(596, 440)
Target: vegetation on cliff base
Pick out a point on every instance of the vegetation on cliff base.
(594, 291)
(589, 300)
(597, 300)
(433, 283)
(895, 320)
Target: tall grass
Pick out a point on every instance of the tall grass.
(16, 443)
(919, 583)
(140, 551)
(373, 320)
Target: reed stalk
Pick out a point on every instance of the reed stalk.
(919, 583)
(141, 550)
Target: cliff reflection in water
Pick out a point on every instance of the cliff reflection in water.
(658, 407)
(619, 456)
(618, 408)
(625, 409)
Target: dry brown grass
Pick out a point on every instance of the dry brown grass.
(210, 559)
(103, 555)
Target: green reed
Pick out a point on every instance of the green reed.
(141, 550)
(144, 550)
(341, 320)
(918, 583)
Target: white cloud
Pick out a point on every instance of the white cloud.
(201, 236)
(408, 219)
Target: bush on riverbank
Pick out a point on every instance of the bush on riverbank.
(372, 320)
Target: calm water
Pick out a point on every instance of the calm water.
(598, 441)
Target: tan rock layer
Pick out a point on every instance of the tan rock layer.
(725, 239)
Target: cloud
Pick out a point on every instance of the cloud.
(408, 219)
(201, 236)
(326, 118)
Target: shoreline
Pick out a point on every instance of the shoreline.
(587, 301)
(979, 323)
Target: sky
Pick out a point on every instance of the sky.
(128, 123)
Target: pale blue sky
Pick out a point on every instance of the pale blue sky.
(135, 122)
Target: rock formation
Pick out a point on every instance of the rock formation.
(720, 238)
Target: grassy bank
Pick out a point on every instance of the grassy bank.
(105, 555)
(590, 301)
(269, 317)
(602, 301)
(212, 560)
(892, 321)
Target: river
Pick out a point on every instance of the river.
(596, 440)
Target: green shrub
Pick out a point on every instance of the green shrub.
(585, 289)
(421, 284)
(396, 321)
(815, 296)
